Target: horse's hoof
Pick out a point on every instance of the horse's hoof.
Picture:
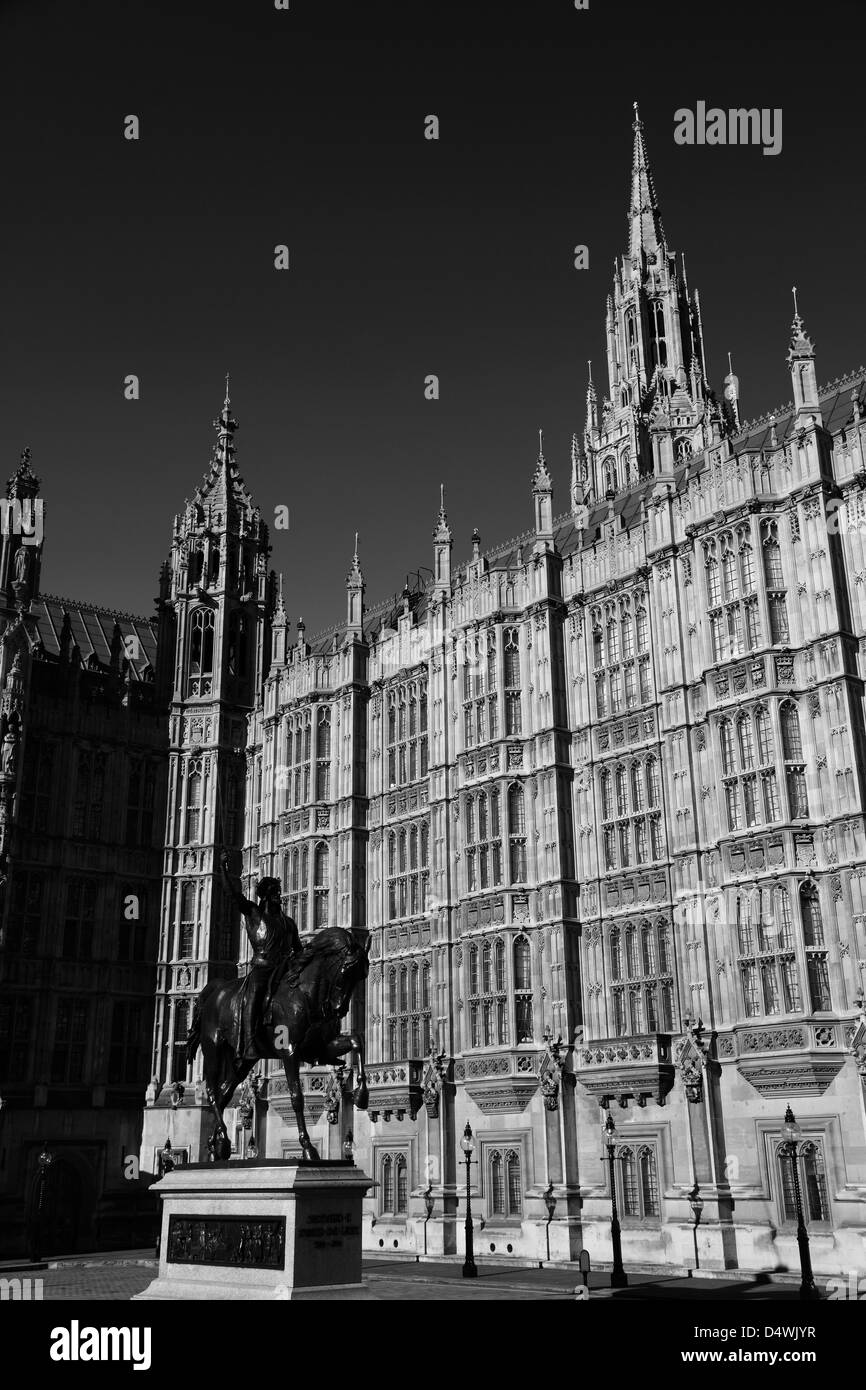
(361, 1096)
(311, 1154)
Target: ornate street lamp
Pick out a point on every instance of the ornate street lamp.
(469, 1268)
(349, 1147)
(618, 1276)
(792, 1132)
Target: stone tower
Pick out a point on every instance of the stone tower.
(215, 604)
(659, 410)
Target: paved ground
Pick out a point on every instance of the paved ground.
(119, 1278)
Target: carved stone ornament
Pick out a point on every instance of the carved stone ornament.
(691, 1060)
(432, 1082)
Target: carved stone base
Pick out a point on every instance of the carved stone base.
(270, 1230)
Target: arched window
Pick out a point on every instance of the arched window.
(404, 989)
(683, 449)
(194, 788)
(514, 1184)
(392, 991)
(637, 787)
(773, 559)
(387, 1184)
(765, 737)
(642, 631)
(523, 989)
(615, 954)
(609, 475)
(606, 795)
(791, 742)
(726, 742)
(652, 785)
(201, 639)
(621, 792)
(747, 562)
(425, 985)
(497, 1186)
(321, 883)
(517, 834)
(612, 640)
(648, 949)
(187, 920)
(714, 596)
(181, 1034)
(730, 578)
(402, 1186)
(747, 743)
(648, 1180)
(486, 985)
(810, 908)
(630, 1203)
(657, 324)
(597, 647)
(499, 965)
(745, 938)
(631, 951)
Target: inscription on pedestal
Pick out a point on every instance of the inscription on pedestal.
(229, 1240)
(327, 1229)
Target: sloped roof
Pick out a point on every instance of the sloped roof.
(92, 628)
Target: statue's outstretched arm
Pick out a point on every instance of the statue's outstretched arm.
(236, 895)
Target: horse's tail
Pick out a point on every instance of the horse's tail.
(193, 1041)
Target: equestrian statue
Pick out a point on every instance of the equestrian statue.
(288, 1006)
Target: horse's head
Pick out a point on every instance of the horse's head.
(354, 966)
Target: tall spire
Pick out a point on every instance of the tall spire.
(225, 426)
(801, 343)
(646, 232)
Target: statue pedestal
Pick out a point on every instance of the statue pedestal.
(261, 1229)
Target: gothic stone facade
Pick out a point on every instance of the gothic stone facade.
(596, 796)
(82, 797)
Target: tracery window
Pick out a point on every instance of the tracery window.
(631, 814)
(732, 600)
(749, 770)
(299, 734)
(517, 833)
(295, 868)
(641, 973)
(407, 870)
(636, 1176)
(407, 732)
(201, 641)
(323, 754)
(488, 1013)
(480, 713)
(795, 768)
(775, 581)
(505, 1182)
(321, 885)
(194, 800)
(769, 974)
(513, 721)
(188, 898)
(812, 1174)
(817, 968)
(483, 840)
(394, 1189)
(620, 653)
(522, 957)
(409, 1014)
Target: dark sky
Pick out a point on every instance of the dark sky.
(408, 257)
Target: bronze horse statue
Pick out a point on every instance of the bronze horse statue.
(301, 1023)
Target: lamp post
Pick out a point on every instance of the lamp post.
(792, 1132)
(696, 1202)
(349, 1147)
(429, 1202)
(618, 1276)
(469, 1268)
(550, 1203)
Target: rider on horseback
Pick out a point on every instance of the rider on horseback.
(274, 939)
